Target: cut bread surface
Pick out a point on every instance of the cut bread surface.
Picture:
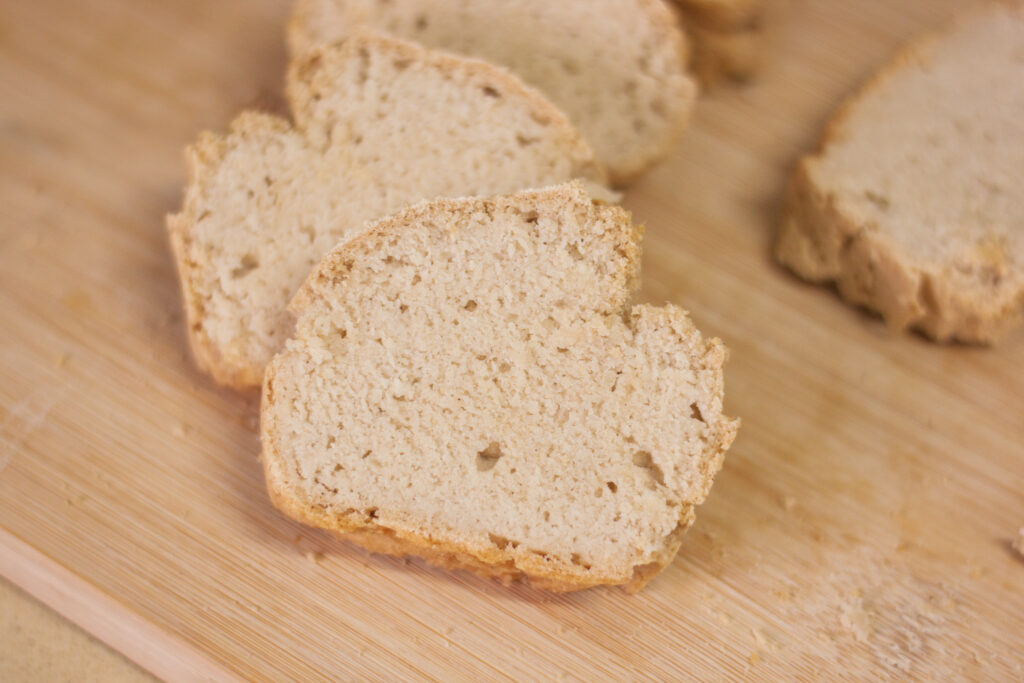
(914, 203)
(467, 383)
(379, 124)
(617, 68)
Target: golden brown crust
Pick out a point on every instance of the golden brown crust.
(822, 244)
(508, 563)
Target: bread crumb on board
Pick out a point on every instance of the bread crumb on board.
(855, 620)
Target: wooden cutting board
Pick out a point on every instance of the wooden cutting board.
(861, 526)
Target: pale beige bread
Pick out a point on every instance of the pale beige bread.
(380, 124)
(727, 38)
(616, 67)
(467, 383)
(914, 203)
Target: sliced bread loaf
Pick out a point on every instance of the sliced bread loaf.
(914, 202)
(379, 124)
(616, 67)
(467, 383)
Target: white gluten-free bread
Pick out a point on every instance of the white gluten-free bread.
(914, 202)
(466, 383)
(616, 67)
(379, 124)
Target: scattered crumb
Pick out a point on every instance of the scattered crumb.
(61, 360)
(181, 430)
(755, 658)
(314, 556)
(76, 500)
(723, 619)
(1018, 543)
(759, 638)
(788, 503)
(855, 620)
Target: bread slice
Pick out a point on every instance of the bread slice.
(914, 203)
(466, 383)
(616, 67)
(380, 124)
(726, 37)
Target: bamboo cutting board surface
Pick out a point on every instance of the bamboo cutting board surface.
(860, 528)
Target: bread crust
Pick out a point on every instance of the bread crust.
(821, 243)
(453, 552)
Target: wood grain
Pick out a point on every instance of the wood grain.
(860, 527)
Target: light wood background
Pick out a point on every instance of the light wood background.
(860, 528)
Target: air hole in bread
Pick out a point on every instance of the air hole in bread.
(421, 23)
(695, 412)
(490, 91)
(525, 140)
(643, 460)
(612, 486)
(575, 252)
(502, 543)
(367, 454)
(578, 561)
(488, 457)
(249, 263)
(470, 305)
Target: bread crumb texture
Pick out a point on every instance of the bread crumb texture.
(466, 383)
(616, 67)
(914, 204)
(379, 124)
